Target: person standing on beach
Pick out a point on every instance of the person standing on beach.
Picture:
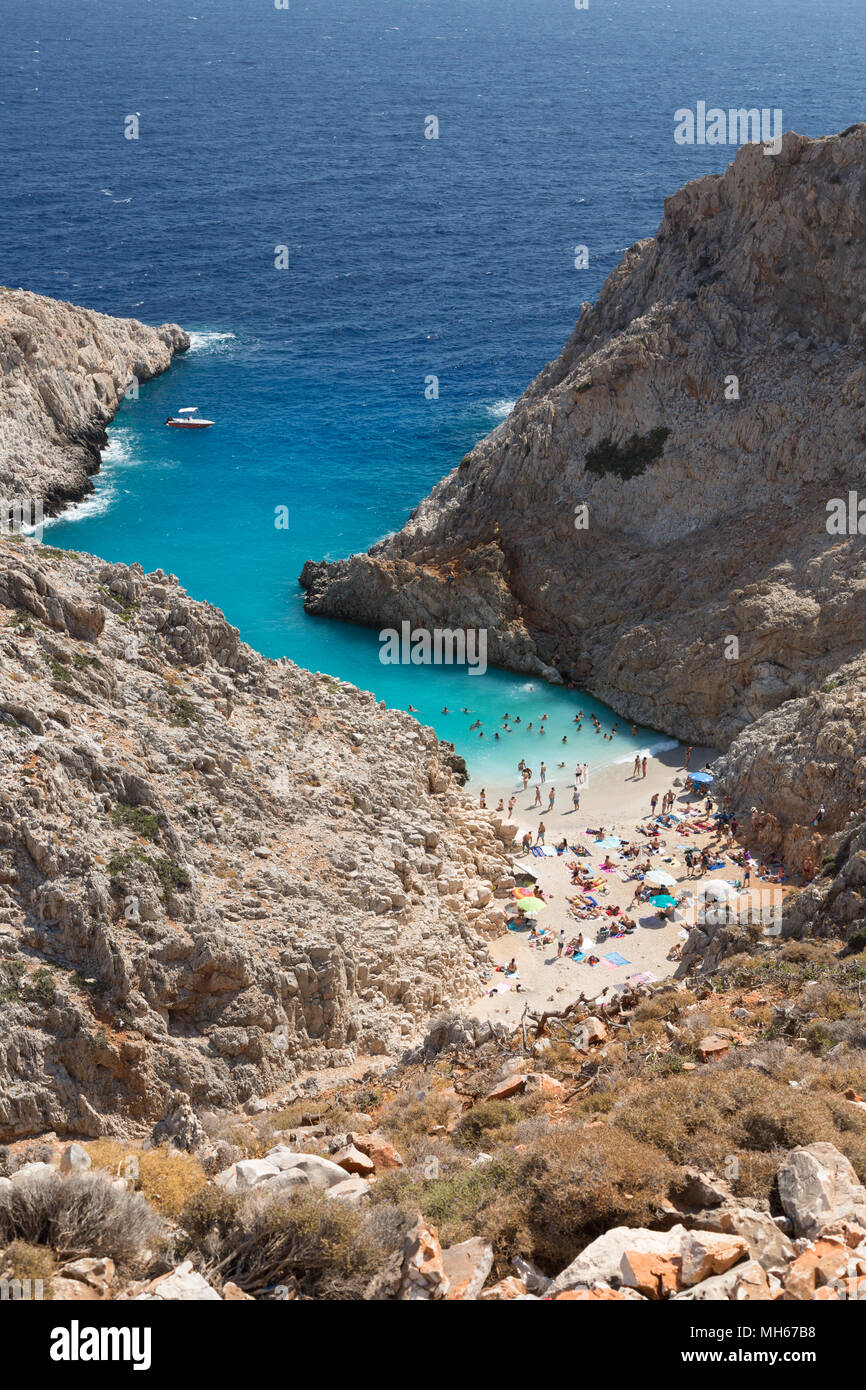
(537, 801)
(635, 772)
(575, 799)
(643, 765)
(560, 943)
(526, 776)
(688, 755)
(551, 799)
(543, 773)
(482, 800)
(539, 838)
(654, 801)
(510, 807)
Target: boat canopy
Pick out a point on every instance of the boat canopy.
(188, 410)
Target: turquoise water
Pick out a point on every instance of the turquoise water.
(202, 505)
(408, 257)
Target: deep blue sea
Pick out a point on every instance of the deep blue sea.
(408, 257)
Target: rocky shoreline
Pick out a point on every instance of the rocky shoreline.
(64, 371)
(705, 411)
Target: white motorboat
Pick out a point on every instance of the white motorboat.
(187, 419)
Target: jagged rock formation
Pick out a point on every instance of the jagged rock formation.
(214, 868)
(758, 274)
(63, 373)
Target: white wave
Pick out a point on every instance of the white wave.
(96, 504)
(198, 342)
(662, 746)
(116, 451)
(500, 409)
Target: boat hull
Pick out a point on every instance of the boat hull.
(189, 424)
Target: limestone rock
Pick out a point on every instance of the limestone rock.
(817, 1186)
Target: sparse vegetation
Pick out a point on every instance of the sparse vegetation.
(136, 818)
(78, 1212)
(629, 459)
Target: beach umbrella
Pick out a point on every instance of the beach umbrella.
(532, 905)
(523, 892)
(659, 877)
(612, 842)
(717, 888)
(663, 900)
(701, 776)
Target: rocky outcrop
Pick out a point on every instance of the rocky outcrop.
(720, 532)
(215, 869)
(63, 373)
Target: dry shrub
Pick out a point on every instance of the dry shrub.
(480, 1127)
(80, 1214)
(260, 1240)
(416, 1113)
(24, 1261)
(704, 1117)
(165, 1176)
(573, 1185)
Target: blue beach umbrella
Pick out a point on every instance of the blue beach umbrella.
(702, 776)
(663, 900)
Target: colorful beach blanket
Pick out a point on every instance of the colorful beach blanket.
(615, 960)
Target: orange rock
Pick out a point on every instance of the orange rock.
(381, 1154)
(705, 1253)
(851, 1094)
(655, 1276)
(826, 1261)
(547, 1085)
(511, 1086)
(510, 1287)
(712, 1047)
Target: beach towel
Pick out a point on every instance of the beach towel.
(537, 850)
(514, 926)
(499, 989)
(614, 960)
(643, 977)
(547, 851)
(579, 956)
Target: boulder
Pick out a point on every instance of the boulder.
(601, 1261)
(382, 1154)
(705, 1253)
(319, 1172)
(74, 1159)
(181, 1285)
(602, 1293)
(466, 1267)
(354, 1191)
(249, 1172)
(232, 1294)
(98, 1274)
(354, 1161)
(817, 1186)
(767, 1244)
(826, 1262)
(653, 1275)
(72, 1290)
(511, 1086)
(744, 1283)
(423, 1273)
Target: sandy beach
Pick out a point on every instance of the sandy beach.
(620, 802)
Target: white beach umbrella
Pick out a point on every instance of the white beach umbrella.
(717, 888)
(659, 876)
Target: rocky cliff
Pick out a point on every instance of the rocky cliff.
(63, 373)
(214, 869)
(704, 412)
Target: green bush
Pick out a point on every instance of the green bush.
(629, 459)
(137, 819)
